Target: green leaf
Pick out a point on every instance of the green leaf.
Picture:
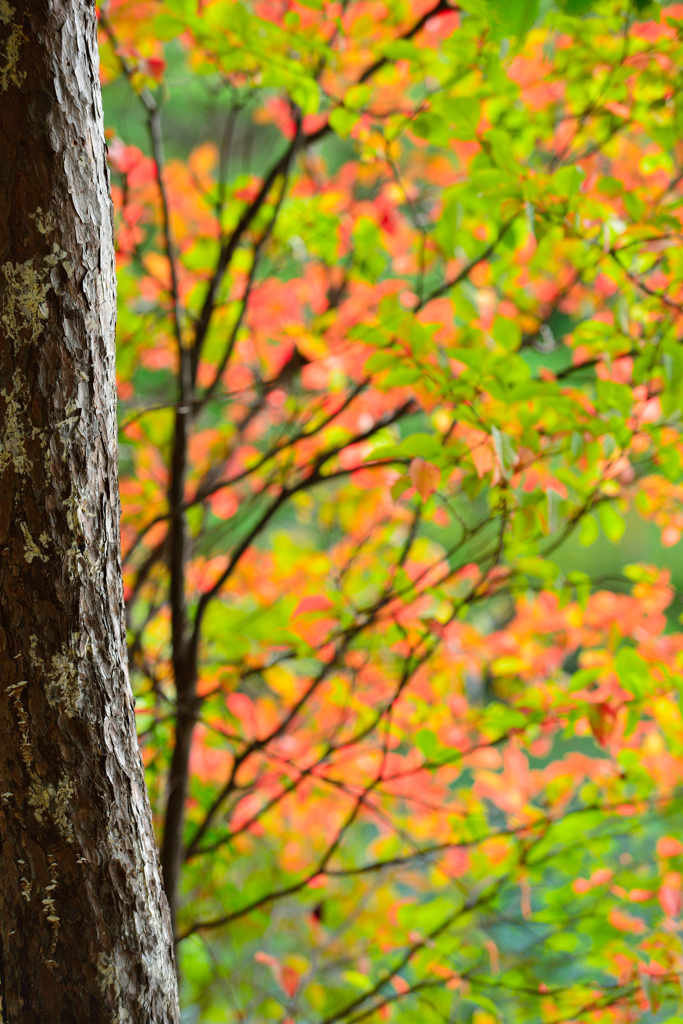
(565, 942)
(508, 333)
(612, 523)
(632, 720)
(583, 678)
(167, 27)
(632, 671)
(576, 7)
(426, 917)
(484, 1002)
(425, 445)
(464, 113)
(427, 743)
(432, 128)
(357, 979)
(357, 96)
(512, 17)
(505, 451)
(534, 565)
(380, 361)
(342, 121)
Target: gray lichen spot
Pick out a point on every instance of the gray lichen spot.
(106, 966)
(14, 693)
(50, 908)
(26, 889)
(43, 800)
(57, 255)
(73, 415)
(78, 557)
(13, 440)
(31, 549)
(45, 226)
(61, 684)
(46, 800)
(25, 308)
(62, 687)
(109, 978)
(10, 73)
(34, 657)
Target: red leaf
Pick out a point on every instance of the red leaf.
(670, 898)
(602, 718)
(289, 980)
(314, 603)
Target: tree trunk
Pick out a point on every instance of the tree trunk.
(84, 926)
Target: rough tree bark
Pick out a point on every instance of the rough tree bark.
(84, 926)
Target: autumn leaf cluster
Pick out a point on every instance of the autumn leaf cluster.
(399, 349)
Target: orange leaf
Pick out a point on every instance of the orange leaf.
(626, 922)
(670, 898)
(667, 846)
(224, 504)
(425, 477)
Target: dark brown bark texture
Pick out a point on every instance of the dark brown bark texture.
(84, 926)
